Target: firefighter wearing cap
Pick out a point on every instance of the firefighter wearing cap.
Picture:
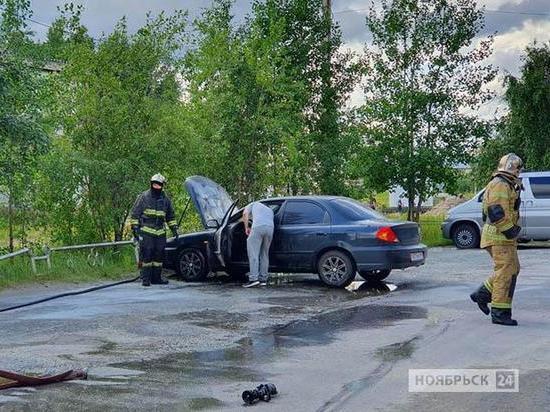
(501, 202)
(151, 212)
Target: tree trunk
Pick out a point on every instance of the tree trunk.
(118, 229)
(418, 210)
(10, 216)
(410, 210)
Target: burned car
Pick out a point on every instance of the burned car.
(333, 236)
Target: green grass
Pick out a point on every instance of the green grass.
(430, 227)
(75, 266)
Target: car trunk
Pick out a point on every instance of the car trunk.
(408, 233)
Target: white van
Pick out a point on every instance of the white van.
(464, 222)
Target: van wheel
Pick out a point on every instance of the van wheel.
(336, 269)
(466, 236)
(191, 265)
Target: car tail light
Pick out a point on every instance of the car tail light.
(386, 234)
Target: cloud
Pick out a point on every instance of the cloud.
(510, 46)
(100, 16)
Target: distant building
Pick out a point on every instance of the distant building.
(399, 193)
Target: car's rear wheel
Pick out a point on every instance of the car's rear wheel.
(375, 275)
(191, 265)
(466, 236)
(336, 269)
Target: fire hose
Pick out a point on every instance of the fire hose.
(62, 295)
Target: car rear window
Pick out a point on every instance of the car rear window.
(540, 187)
(353, 210)
(303, 213)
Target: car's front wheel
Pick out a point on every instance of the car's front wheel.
(375, 275)
(191, 265)
(336, 269)
(466, 236)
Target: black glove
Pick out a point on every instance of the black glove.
(175, 231)
(512, 233)
(135, 231)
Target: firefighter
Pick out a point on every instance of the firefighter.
(152, 210)
(501, 202)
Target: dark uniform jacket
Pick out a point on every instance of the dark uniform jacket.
(150, 213)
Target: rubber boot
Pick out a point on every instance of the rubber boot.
(482, 297)
(157, 278)
(503, 317)
(146, 276)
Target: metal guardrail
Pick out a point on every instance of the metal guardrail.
(14, 254)
(91, 245)
(49, 251)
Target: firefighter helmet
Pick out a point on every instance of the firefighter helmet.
(511, 164)
(158, 178)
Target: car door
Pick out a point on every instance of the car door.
(304, 228)
(537, 207)
(221, 248)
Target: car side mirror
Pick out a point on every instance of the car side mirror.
(212, 224)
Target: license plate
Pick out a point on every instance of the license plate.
(417, 256)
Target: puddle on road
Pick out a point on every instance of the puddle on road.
(355, 291)
(371, 288)
(239, 363)
(209, 319)
(112, 373)
(397, 351)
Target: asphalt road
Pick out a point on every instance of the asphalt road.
(198, 346)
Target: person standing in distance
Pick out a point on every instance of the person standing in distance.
(260, 234)
(501, 202)
(152, 210)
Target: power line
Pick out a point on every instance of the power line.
(40, 23)
(526, 13)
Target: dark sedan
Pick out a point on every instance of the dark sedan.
(333, 236)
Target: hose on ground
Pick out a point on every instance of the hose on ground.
(78, 292)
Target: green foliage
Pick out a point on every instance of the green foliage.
(82, 266)
(419, 77)
(529, 101)
(430, 229)
(113, 99)
(526, 129)
(22, 137)
(265, 99)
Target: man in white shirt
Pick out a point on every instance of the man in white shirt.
(260, 234)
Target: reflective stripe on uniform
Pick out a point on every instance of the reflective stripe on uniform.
(151, 231)
(154, 212)
(172, 223)
(133, 222)
(488, 285)
(156, 264)
(498, 305)
(147, 264)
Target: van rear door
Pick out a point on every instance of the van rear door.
(536, 207)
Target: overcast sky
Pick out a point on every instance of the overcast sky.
(516, 22)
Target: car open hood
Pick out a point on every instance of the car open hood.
(211, 200)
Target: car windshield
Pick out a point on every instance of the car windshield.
(354, 210)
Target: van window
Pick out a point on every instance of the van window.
(540, 187)
(480, 197)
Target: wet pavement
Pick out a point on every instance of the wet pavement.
(197, 346)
